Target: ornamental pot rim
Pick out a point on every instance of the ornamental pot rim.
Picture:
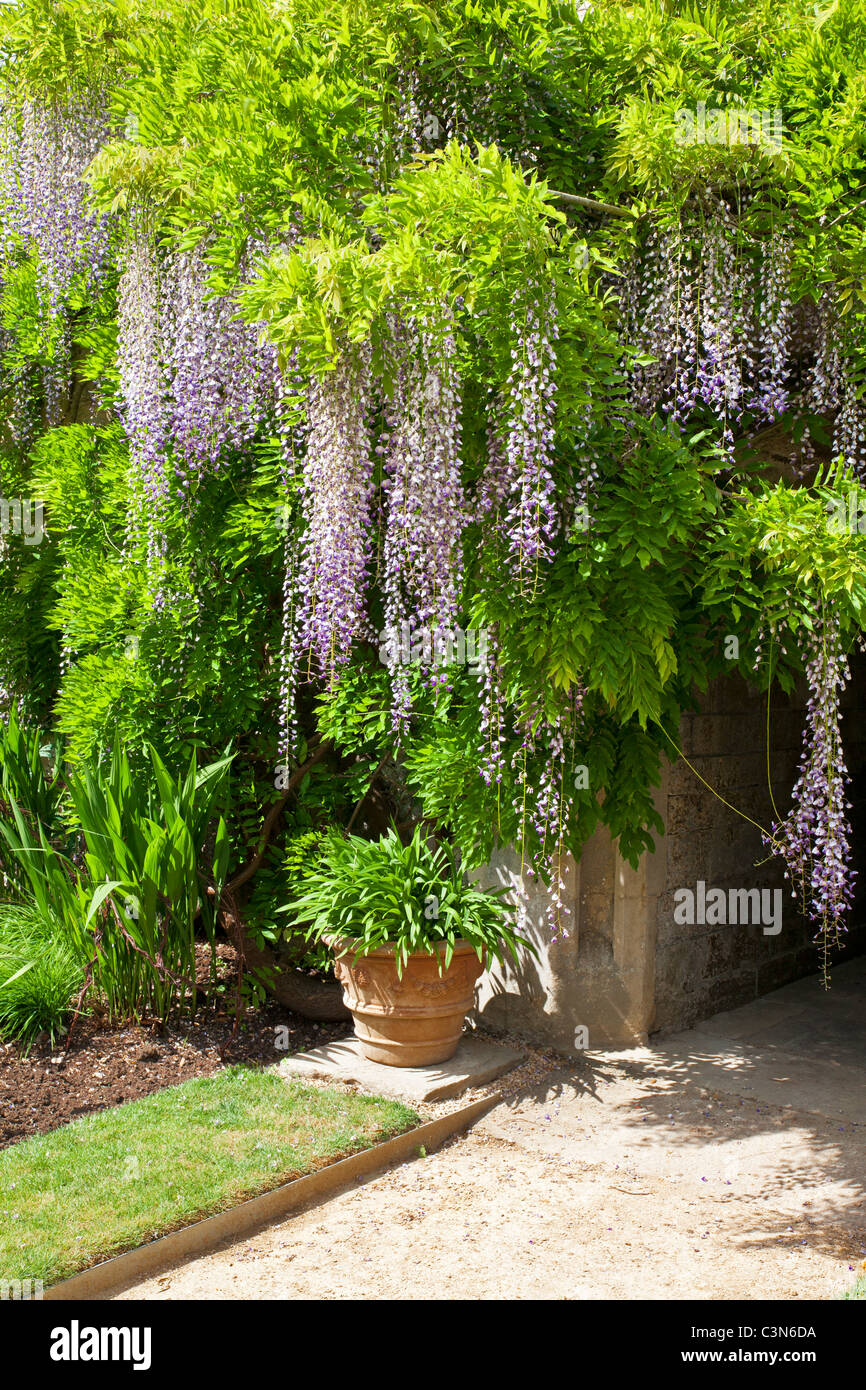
(343, 946)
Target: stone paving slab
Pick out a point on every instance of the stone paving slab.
(475, 1063)
(804, 1007)
(770, 1075)
(802, 1046)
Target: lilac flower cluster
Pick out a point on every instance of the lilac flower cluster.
(495, 482)
(830, 387)
(23, 414)
(195, 381)
(52, 210)
(532, 520)
(11, 210)
(550, 741)
(717, 320)
(722, 342)
(45, 210)
(653, 318)
(586, 466)
(547, 813)
(814, 839)
(715, 310)
(292, 433)
(491, 701)
(775, 313)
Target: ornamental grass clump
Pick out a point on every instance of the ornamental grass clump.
(413, 897)
(40, 975)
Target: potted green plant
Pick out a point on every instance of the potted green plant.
(410, 936)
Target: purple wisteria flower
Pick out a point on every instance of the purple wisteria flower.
(830, 388)
(337, 495)
(774, 315)
(425, 506)
(55, 215)
(532, 520)
(196, 382)
(45, 211)
(142, 404)
(517, 489)
(715, 309)
(222, 376)
(815, 837)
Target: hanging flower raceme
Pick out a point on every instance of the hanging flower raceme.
(517, 491)
(718, 367)
(542, 807)
(45, 210)
(717, 320)
(54, 214)
(815, 838)
(831, 390)
(196, 382)
(142, 398)
(653, 315)
(774, 315)
(337, 495)
(12, 230)
(586, 470)
(491, 759)
(222, 380)
(532, 521)
(425, 508)
(291, 425)
(495, 481)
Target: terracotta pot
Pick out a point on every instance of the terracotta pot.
(410, 1022)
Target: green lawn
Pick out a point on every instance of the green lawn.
(108, 1182)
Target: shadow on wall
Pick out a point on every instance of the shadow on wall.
(574, 993)
(520, 996)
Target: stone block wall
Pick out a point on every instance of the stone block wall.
(592, 988)
(628, 968)
(702, 969)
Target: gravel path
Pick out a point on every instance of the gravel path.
(612, 1179)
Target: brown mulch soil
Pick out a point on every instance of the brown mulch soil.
(105, 1065)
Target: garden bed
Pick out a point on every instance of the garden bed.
(109, 1182)
(106, 1066)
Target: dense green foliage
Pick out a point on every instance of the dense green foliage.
(241, 123)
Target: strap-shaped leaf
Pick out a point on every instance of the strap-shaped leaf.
(99, 896)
